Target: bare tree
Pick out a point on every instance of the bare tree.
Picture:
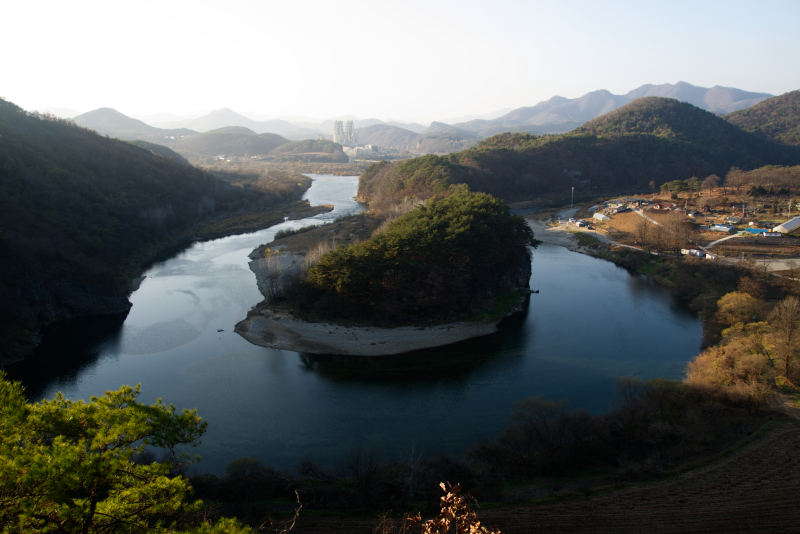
(410, 475)
(785, 336)
(363, 465)
(272, 262)
(542, 421)
(711, 183)
(627, 391)
(642, 232)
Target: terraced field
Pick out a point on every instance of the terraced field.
(756, 490)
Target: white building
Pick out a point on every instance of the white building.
(788, 227)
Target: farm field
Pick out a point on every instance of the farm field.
(754, 490)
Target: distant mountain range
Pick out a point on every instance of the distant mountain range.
(110, 122)
(553, 116)
(560, 114)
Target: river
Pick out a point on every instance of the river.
(590, 322)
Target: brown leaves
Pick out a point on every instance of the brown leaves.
(455, 513)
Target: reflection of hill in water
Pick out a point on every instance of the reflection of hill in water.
(451, 364)
(67, 349)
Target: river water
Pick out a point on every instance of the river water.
(590, 322)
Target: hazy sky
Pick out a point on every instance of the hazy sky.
(406, 60)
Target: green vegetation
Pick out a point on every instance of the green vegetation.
(776, 118)
(586, 240)
(72, 466)
(311, 150)
(229, 141)
(79, 212)
(440, 261)
(158, 150)
(650, 139)
(309, 145)
(280, 234)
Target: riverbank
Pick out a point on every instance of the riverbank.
(276, 328)
(281, 330)
(273, 325)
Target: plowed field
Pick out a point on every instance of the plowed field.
(756, 489)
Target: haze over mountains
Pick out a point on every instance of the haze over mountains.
(556, 115)
(559, 114)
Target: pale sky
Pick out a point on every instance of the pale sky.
(405, 60)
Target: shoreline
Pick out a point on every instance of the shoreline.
(282, 331)
(274, 328)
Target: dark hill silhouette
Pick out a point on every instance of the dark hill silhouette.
(777, 118)
(79, 211)
(159, 150)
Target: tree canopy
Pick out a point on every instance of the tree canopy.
(776, 118)
(440, 260)
(650, 139)
(69, 466)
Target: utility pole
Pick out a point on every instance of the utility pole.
(573, 197)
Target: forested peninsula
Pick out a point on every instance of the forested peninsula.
(458, 257)
(80, 212)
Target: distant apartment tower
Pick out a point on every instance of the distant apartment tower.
(345, 134)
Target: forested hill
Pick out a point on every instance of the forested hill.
(79, 210)
(309, 145)
(650, 139)
(158, 150)
(230, 140)
(776, 118)
(108, 121)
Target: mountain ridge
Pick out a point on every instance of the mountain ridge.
(545, 116)
(776, 118)
(650, 139)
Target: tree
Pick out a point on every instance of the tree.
(67, 466)
(711, 183)
(642, 232)
(785, 336)
(541, 422)
(734, 178)
(738, 307)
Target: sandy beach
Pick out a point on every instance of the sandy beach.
(282, 331)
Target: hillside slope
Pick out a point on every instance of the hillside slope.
(310, 150)
(777, 118)
(158, 150)
(224, 118)
(437, 138)
(110, 122)
(229, 140)
(79, 211)
(649, 139)
(560, 114)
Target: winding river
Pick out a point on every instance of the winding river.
(590, 322)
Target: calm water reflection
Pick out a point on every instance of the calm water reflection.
(591, 322)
